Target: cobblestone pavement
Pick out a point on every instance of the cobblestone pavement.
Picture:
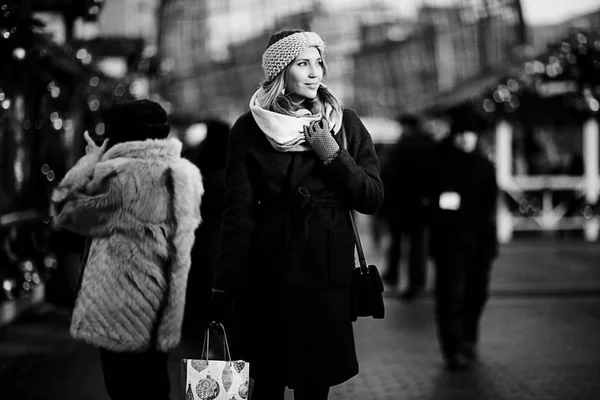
(540, 340)
(532, 348)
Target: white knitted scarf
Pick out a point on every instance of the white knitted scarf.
(285, 132)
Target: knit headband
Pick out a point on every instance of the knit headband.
(285, 50)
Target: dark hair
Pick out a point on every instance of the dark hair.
(136, 120)
(409, 120)
(212, 151)
(467, 120)
(280, 35)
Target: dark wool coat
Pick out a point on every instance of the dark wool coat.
(469, 231)
(289, 257)
(406, 175)
(210, 157)
(139, 205)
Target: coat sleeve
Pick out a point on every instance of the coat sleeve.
(490, 192)
(86, 198)
(354, 174)
(489, 210)
(238, 215)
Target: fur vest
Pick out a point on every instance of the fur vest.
(139, 205)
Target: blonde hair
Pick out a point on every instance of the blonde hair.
(276, 100)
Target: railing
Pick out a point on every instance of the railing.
(550, 216)
(20, 217)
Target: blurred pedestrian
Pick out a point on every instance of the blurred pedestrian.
(405, 208)
(138, 203)
(463, 238)
(209, 156)
(378, 228)
(287, 248)
(69, 248)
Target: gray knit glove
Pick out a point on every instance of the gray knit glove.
(321, 140)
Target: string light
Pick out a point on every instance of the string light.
(81, 53)
(19, 53)
(559, 73)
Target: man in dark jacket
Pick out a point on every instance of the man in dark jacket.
(463, 238)
(209, 156)
(405, 208)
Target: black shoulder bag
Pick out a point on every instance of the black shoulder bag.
(367, 286)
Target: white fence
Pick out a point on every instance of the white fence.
(550, 217)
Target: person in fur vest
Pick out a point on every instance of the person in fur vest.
(138, 203)
(287, 244)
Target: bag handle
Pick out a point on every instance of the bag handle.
(359, 249)
(206, 344)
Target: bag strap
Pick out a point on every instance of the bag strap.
(359, 249)
(206, 344)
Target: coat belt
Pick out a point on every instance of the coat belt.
(299, 208)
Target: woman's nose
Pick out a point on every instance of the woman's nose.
(313, 72)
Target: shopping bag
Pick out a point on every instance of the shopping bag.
(215, 379)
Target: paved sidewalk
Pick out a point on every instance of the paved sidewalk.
(530, 267)
(540, 340)
(532, 348)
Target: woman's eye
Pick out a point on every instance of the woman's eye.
(302, 63)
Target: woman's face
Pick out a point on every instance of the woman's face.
(305, 75)
(466, 141)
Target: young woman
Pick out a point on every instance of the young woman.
(287, 247)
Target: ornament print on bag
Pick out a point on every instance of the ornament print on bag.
(243, 390)
(239, 366)
(207, 388)
(189, 395)
(199, 365)
(227, 377)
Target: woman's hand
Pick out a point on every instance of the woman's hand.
(92, 149)
(321, 140)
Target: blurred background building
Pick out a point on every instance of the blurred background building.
(65, 62)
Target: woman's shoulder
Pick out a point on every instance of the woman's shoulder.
(353, 124)
(350, 115)
(243, 127)
(245, 121)
(352, 121)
